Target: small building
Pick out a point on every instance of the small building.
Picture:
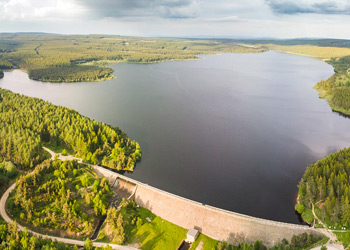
(192, 235)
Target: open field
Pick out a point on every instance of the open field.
(324, 53)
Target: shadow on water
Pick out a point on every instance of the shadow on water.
(341, 114)
(300, 219)
(242, 129)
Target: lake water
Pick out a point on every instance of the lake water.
(234, 131)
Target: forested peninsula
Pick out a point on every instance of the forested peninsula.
(62, 198)
(26, 124)
(77, 58)
(324, 194)
(336, 89)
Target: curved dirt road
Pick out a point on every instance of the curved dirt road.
(64, 240)
(332, 237)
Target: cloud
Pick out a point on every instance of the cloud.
(36, 9)
(309, 6)
(75, 9)
(142, 8)
(328, 21)
(223, 19)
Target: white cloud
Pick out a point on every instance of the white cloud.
(37, 9)
(328, 20)
(222, 19)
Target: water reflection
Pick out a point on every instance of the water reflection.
(234, 131)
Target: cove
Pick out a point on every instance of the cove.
(235, 131)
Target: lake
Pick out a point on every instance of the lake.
(235, 131)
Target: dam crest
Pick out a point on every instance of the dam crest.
(216, 223)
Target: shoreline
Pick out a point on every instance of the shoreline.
(235, 53)
(230, 225)
(107, 64)
(323, 94)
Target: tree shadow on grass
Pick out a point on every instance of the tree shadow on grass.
(150, 244)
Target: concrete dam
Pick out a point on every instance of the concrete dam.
(216, 223)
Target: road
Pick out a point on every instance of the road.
(5, 216)
(329, 247)
(62, 157)
(332, 237)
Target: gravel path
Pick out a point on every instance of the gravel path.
(5, 216)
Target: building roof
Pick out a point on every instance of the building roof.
(192, 232)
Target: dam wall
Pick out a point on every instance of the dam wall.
(216, 223)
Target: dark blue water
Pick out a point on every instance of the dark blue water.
(234, 131)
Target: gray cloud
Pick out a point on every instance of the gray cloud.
(226, 19)
(310, 6)
(203, 18)
(140, 8)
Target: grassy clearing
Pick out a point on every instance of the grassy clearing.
(158, 234)
(207, 243)
(59, 149)
(323, 53)
(343, 237)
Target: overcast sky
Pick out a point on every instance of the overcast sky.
(185, 18)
